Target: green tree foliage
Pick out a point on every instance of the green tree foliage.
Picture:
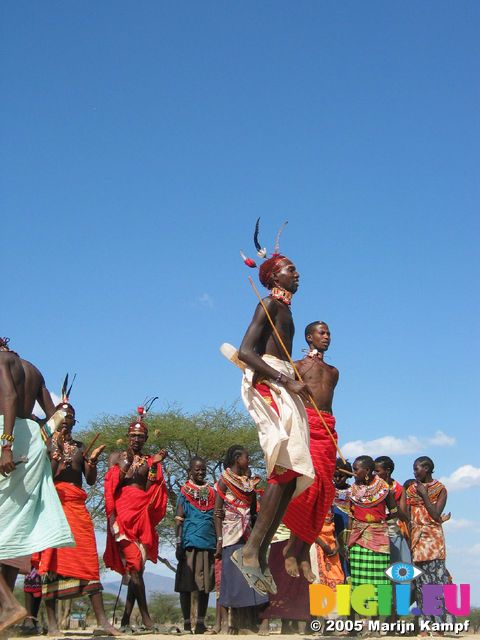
(164, 608)
(208, 433)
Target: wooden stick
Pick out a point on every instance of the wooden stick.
(297, 373)
(87, 450)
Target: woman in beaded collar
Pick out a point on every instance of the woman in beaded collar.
(196, 542)
(235, 509)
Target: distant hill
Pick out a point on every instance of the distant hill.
(153, 584)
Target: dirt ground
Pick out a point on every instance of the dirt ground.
(82, 635)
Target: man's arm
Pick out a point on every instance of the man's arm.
(248, 352)
(90, 465)
(9, 403)
(44, 399)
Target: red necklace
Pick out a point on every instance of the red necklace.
(201, 496)
(282, 295)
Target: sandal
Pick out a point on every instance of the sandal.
(253, 575)
(270, 581)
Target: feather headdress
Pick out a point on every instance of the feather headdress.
(270, 265)
(139, 426)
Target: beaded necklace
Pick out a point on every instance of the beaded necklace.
(369, 495)
(69, 451)
(282, 295)
(242, 488)
(138, 461)
(201, 496)
(66, 454)
(243, 483)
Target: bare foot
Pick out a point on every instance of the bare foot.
(291, 567)
(307, 571)
(264, 628)
(11, 615)
(231, 631)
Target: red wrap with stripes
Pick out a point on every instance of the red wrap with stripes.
(306, 513)
(80, 561)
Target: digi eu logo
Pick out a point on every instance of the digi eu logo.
(378, 600)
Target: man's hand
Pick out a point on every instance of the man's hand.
(300, 388)
(96, 453)
(218, 550)
(159, 457)
(6, 462)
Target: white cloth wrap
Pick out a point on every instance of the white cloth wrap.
(31, 515)
(284, 438)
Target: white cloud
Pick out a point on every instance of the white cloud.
(460, 523)
(475, 550)
(205, 300)
(464, 477)
(391, 445)
(441, 439)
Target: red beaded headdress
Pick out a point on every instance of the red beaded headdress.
(271, 265)
(139, 425)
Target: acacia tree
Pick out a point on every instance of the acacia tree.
(207, 433)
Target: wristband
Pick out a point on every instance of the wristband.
(279, 377)
(219, 539)
(8, 438)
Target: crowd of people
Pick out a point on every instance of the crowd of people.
(318, 518)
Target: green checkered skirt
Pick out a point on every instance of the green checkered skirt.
(367, 566)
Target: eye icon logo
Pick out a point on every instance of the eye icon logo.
(402, 572)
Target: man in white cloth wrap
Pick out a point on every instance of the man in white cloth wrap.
(31, 516)
(280, 416)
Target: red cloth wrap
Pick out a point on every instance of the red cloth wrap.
(306, 513)
(80, 561)
(397, 490)
(269, 267)
(136, 512)
(131, 555)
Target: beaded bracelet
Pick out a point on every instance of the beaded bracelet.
(6, 437)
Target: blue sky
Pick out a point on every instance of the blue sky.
(142, 140)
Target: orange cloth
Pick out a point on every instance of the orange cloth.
(329, 567)
(135, 513)
(306, 513)
(427, 539)
(80, 561)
